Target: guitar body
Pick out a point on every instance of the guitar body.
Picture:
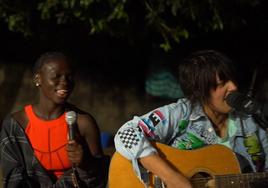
(212, 160)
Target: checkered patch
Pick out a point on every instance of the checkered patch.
(128, 138)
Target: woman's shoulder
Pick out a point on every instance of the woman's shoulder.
(180, 105)
(84, 119)
(16, 118)
(20, 117)
(81, 114)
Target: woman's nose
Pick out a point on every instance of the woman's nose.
(63, 80)
(232, 86)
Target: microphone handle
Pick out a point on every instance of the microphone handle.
(73, 174)
(71, 132)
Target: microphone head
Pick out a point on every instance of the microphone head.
(242, 103)
(70, 117)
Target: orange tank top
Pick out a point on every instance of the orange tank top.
(48, 139)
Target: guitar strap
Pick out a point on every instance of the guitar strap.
(242, 128)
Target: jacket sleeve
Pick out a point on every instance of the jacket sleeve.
(133, 138)
(21, 170)
(263, 135)
(11, 158)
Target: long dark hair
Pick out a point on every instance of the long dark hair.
(197, 74)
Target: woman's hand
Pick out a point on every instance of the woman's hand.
(75, 152)
(172, 178)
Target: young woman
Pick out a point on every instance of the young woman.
(35, 149)
(202, 118)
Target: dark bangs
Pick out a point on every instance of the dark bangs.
(225, 70)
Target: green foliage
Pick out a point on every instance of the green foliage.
(16, 15)
(170, 20)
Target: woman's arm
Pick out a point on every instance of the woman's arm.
(133, 140)
(90, 131)
(172, 178)
(86, 151)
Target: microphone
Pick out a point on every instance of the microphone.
(70, 118)
(246, 105)
(243, 103)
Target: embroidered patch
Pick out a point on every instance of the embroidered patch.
(146, 129)
(190, 141)
(155, 118)
(182, 125)
(128, 138)
(205, 133)
(253, 147)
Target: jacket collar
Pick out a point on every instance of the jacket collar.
(197, 112)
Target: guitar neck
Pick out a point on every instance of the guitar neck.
(241, 180)
(230, 180)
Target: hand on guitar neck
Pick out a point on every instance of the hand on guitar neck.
(171, 177)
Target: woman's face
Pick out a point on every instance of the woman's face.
(56, 81)
(217, 102)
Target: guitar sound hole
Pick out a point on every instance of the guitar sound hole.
(201, 175)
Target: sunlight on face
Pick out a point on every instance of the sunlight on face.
(56, 81)
(217, 101)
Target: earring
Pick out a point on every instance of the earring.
(37, 84)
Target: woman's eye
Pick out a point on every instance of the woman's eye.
(54, 76)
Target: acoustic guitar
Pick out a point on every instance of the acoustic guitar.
(210, 166)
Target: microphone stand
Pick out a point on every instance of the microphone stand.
(261, 120)
(251, 88)
(258, 117)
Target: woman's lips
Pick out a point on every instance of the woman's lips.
(62, 93)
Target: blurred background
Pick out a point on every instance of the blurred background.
(126, 51)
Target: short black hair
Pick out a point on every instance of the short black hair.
(197, 74)
(47, 57)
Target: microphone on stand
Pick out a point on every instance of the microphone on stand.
(70, 118)
(244, 104)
